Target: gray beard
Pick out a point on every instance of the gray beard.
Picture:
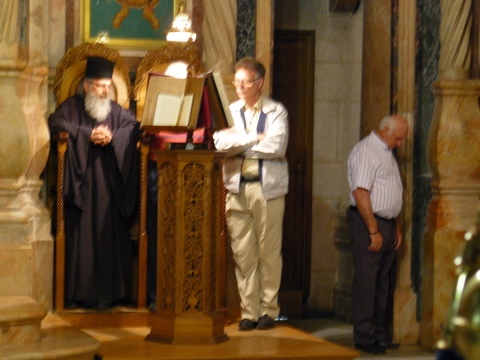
(97, 107)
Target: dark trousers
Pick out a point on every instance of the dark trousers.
(370, 288)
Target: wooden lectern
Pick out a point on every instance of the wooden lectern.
(191, 252)
(189, 248)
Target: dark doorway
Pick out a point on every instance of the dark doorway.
(293, 85)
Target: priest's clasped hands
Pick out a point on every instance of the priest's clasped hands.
(101, 135)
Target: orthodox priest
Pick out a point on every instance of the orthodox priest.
(100, 191)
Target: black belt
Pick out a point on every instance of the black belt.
(249, 179)
(354, 208)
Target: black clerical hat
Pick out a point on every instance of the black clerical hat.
(99, 68)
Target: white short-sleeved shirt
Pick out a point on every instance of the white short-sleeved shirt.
(372, 166)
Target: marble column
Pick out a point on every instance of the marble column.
(219, 36)
(405, 326)
(376, 63)
(381, 93)
(255, 34)
(26, 245)
(453, 153)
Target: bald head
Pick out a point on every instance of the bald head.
(393, 130)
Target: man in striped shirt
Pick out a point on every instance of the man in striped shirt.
(374, 225)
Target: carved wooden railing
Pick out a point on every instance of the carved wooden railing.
(145, 141)
(222, 253)
(61, 138)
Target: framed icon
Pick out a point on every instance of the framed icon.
(128, 24)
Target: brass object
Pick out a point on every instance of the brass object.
(462, 332)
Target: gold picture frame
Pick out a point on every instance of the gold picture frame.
(127, 28)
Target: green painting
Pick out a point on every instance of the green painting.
(129, 23)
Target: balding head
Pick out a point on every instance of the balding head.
(393, 130)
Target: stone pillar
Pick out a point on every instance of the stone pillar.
(264, 40)
(405, 325)
(454, 150)
(379, 92)
(26, 246)
(376, 63)
(453, 153)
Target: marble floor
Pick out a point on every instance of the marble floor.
(340, 333)
(291, 339)
(292, 332)
(283, 342)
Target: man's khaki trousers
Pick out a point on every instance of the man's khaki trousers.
(255, 227)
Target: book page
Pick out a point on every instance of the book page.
(185, 111)
(167, 110)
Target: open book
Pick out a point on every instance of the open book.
(172, 110)
(172, 102)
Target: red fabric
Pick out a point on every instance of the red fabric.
(205, 117)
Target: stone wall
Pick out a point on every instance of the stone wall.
(338, 62)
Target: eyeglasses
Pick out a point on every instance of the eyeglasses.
(245, 83)
(102, 86)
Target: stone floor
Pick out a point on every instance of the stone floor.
(282, 343)
(341, 333)
(293, 338)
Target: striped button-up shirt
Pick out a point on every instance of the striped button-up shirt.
(372, 166)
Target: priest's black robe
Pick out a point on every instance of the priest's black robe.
(100, 197)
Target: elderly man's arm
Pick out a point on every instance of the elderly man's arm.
(233, 141)
(364, 206)
(272, 144)
(398, 232)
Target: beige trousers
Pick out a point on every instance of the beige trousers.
(255, 227)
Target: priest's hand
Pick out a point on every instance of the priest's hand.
(101, 135)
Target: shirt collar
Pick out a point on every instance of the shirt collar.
(379, 142)
(257, 107)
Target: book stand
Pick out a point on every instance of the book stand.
(191, 248)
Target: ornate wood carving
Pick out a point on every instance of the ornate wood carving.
(166, 283)
(189, 237)
(145, 141)
(60, 230)
(193, 252)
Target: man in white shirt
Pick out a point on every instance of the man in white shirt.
(256, 177)
(375, 231)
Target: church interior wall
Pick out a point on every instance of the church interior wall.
(338, 62)
(336, 117)
(56, 44)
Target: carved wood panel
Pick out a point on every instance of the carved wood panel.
(189, 248)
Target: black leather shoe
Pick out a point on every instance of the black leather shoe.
(371, 348)
(388, 344)
(246, 325)
(265, 323)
